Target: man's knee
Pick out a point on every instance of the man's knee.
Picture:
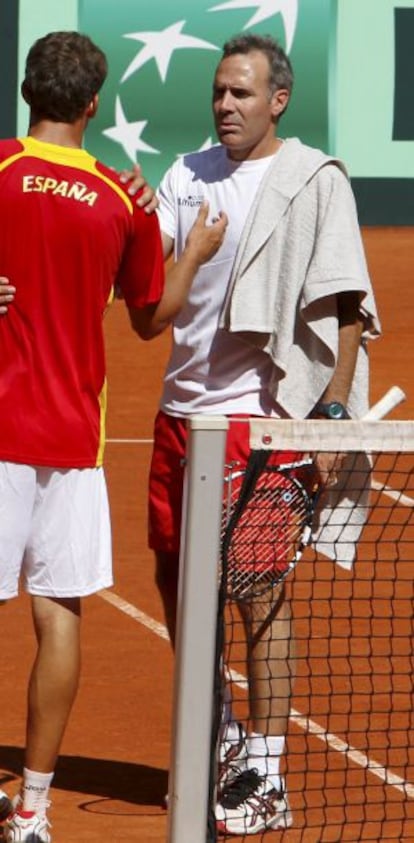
(55, 614)
(266, 612)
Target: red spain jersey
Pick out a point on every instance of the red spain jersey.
(68, 233)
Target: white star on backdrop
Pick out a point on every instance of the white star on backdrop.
(266, 9)
(128, 134)
(160, 47)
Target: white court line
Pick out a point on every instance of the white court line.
(133, 612)
(391, 493)
(358, 758)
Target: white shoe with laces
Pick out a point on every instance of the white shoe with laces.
(251, 804)
(232, 758)
(26, 826)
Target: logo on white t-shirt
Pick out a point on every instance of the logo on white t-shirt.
(190, 201)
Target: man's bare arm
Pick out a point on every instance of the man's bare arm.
(350, 329)
(350, 326)
(202, 243)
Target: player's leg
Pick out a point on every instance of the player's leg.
(256, 799)
(165, 505)
(68, 556)
(52, 690)
(166, 579)
(54, 678)
(270, 660)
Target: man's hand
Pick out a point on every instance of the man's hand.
(6, 294)
(328, 465)
(147, 200)
(203, 241)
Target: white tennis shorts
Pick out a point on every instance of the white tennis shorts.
(55, 531)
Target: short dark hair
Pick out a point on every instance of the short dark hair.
(280, 68)
(64, 71)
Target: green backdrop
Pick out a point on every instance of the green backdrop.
(160, 98)
(354, 69)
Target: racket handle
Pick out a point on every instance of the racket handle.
(391, 399)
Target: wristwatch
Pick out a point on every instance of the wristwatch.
(333, 410)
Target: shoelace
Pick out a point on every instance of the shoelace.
(232, 752)
(227, 772)
(241, 788)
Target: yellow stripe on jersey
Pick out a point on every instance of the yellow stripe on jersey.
(66, 156)
(102, 431)
(111, 296)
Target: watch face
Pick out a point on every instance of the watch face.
(332, 410)
(337, 411)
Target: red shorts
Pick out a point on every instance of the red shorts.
(167, 473)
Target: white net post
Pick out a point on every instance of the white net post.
(196, 631)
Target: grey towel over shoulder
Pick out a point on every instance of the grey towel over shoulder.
(300, 246)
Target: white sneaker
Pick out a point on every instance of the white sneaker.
(5, 806)
(251, 804)
(27, 826)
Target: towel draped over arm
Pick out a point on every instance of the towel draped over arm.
(300, 247)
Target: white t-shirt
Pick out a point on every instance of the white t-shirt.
(210, 370)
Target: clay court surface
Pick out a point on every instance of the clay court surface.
(112, 775)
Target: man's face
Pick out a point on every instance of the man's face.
(244, 109)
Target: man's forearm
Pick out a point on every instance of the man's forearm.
(350, 328)
(178, 281)
(341, 382)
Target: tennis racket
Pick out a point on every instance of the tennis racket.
(268, 515)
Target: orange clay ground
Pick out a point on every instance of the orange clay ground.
(112, 775)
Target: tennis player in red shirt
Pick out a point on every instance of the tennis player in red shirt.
(69, 233)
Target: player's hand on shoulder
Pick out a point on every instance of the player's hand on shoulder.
(204, 238)
(7, 293)
(136, 181)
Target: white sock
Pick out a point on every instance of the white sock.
(35, 790)
(264, 753)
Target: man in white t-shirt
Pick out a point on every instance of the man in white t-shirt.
(213, 370)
